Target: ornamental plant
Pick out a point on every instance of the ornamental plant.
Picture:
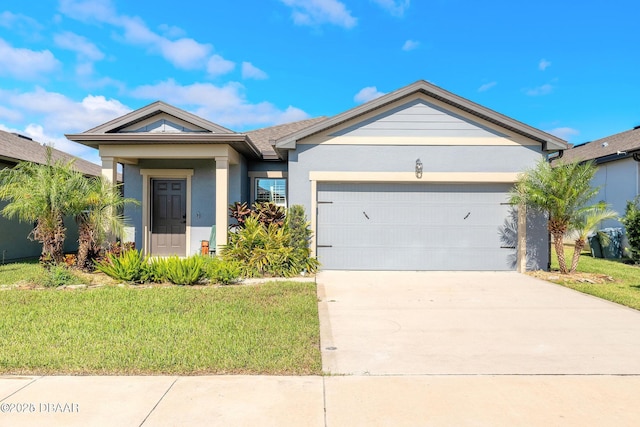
(631, 222)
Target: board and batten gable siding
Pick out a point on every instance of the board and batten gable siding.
(162, 122)
(418, 118)
(392, 138)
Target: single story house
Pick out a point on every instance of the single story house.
(417, 179)
(618, 176)
(14, 244)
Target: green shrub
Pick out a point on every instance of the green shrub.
(268, 213)
(129, 266)
(223, 272)
(298, 226)
(300, 234)
(631, 221)
(185, 271)
(267, 250)
(157, 270)
(57, 275)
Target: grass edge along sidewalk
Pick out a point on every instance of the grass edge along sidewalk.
(269, 328)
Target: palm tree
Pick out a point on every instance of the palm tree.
(42, 194)
(98, 216)
(562, 191)
(586, 223)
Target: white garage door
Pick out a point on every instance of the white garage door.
(390, 226)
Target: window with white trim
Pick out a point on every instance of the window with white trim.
(272, 190)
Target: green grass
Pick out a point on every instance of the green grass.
(22, 272)
(624, 290)
(265, 329)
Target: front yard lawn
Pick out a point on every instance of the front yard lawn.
(623, 289)
(20, 272)
(262, 329)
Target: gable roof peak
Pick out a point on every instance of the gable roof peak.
(549, 142)
(150, 110)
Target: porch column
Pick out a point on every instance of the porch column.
(110, 169)
(522, 239)
(222, 201)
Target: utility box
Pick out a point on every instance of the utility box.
(613, 248)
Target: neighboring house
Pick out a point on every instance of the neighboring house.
(618, 160)
(417, 179)
(14, 242)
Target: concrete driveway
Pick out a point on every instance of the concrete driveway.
(456, 323)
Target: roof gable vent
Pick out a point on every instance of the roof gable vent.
(636, 127)
(605, 144)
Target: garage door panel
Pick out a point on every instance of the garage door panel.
(464, 259)
(361, 236)
(375, 226)
(355, 213)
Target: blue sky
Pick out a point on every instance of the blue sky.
(568, 68)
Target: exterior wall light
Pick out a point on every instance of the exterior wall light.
(418, 169)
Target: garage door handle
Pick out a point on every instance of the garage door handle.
(324, 246)
(507, 247)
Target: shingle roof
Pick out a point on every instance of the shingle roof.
(18, 148)
(626, 142)
(262, 137)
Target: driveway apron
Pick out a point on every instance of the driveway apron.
(470, 323)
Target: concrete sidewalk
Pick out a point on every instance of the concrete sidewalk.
(421, 400)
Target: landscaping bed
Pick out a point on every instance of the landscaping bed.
(613, 280)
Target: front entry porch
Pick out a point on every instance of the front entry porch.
(183, 191)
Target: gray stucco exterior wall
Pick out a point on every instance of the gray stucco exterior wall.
(619, 183)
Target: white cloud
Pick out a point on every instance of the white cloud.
(317, 12)
(485, 87)
(18, 21)
(57, 113)
(545, 89)
(367, 94)
(89, 10)
(79, 44)
(25, 64)
(184, 53)
(171, 31)
(564, 132)
(226, 105)
(217, 65)
(250, 71)
(410, 45)
(395, 7)
(9, 114)
(543, 64)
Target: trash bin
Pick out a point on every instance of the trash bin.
(612, 248)
(594, 244)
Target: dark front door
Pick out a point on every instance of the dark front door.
(169, 217)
